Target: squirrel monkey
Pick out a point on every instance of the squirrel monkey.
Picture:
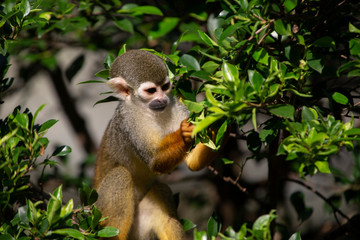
(147, 135)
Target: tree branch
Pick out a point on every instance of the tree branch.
(335, 209)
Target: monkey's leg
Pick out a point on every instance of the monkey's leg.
(157, 214)
(116, 201)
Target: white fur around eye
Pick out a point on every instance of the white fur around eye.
(146, 85)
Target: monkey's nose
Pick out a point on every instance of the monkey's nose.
(158, 104)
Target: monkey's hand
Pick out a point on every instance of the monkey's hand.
(186, 129)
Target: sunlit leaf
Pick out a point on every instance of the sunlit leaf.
(290, 5)
(210, 119)
(108, 232)
(48, 124)
(340, 98)
(62, 151)
(193, 106)
(354, 46)
(353, 29)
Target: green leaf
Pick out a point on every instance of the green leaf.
(201, 75)
(207, 40)
(340, 98)
(325, 42)
(48, 124)
(92, 197)
(282, 28)
(22, 119)
(323, 166)
(107, 232)
(125, 25)
(36, 114)
(109, 61)
(193, 106)
(308, 114)
(221, 133)
(70, 232)
(214, 226)
(256, 79)
(354, 45)
(229, 31)
(61, 151)
(295, 236)
(67, 209)
(227, 161)
(230, 72)
(261, 56)
(108, 99)
(290, 5)
(92, 81)
(25, 7)
(253, 118)
(353, 29)
(31, 212)
(335, 200)
(353, 131)
(53, 210)
(122, 50)
(147, 10)
(54, 206)
(210, 66)
(187, 224)
(285, 111)
(202, 16)
(210, 119)
(199, 235)
(253, 141)
(261, 227)
(164, 27)
(315, 62)
(190, 62)
(6, 237)
(22, 212)
(103, 74)
(298, 202)
(74, 67)
(96, 216)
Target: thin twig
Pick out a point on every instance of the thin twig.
(335, 209)
(228, 179)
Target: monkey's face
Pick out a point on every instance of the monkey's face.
(156, 97)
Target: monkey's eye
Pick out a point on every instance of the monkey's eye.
(165, 86)
(151, 90)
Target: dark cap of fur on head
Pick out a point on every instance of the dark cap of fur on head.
(138, 66)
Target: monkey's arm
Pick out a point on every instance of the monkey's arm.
(199, 157)
(172, 149)
(202, 155)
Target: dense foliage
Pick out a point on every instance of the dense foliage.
(286, 71)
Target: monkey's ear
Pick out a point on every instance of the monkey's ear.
(120, 87)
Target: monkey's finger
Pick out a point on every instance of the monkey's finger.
(188, 139)
(187, 134)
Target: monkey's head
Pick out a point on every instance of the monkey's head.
(141, 77)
